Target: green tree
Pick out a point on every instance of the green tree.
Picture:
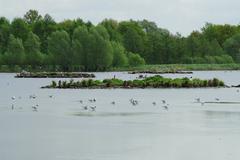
(148, 27)
(81, 45)
(220, 33)
(232, 47)
(92, 48)
(15, 52)
(161, 46)
(43, 28)
(19, 28)
(101, 54)
(32, 50)
(1, 59)
(155, 42)
(70, 25)
(134, 38)
(193, 44)
(59, 45)
(103, 32)
(112, 29)
(4, 34)
(32, 16)
(216, 49)
(119, 55)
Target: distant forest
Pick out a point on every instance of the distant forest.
(39, 41)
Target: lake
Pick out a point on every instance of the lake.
(61, 129)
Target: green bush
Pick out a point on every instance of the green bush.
(198, 60)
(210, 60)
(135, 60)
(54, 84)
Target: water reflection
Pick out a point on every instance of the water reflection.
(107, 114)
(222, 114)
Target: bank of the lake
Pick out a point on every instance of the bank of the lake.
(162, 68)
(171, 68)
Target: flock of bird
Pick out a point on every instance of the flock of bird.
(34, 107)
(93, 101)
(88, 107)
(132, 101)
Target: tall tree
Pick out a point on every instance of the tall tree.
(32, 16)
(232, 46)
(43, 29)
(32, 50)
(81, 45)
(4, 34)
(119, 55)
(19, 28)
(215, 48)
(134, 38)
(15, 52)
(100, 55)
(59, 45)
(220, 33)
(112, 29)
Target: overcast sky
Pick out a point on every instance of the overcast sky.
(176, 15)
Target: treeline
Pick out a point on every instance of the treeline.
(39, 41)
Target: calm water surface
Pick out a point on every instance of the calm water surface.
(62, 130)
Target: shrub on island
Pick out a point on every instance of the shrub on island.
(149, 82)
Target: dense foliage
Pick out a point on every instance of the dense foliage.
(149, 82)
(39, 41)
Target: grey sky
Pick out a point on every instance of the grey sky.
(176, 15)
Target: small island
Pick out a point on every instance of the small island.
(25, 74)
(149, 82)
